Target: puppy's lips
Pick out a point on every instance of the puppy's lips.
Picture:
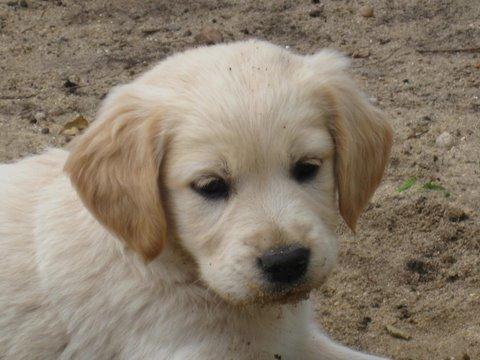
(269, 295)
(286, 295)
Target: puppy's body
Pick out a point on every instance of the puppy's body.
(72, 283)
(70, 290)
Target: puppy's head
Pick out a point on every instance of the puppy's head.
(246, 147)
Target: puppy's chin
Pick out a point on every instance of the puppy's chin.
(270, 295)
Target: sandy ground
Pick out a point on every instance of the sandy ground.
(415, 261)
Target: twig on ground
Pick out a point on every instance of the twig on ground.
(393, 52)
(15, 97)
(449, 51)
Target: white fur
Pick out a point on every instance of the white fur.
(70, 288)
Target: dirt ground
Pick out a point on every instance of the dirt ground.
(415, 261)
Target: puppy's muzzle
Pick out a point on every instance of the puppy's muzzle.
(285, 265)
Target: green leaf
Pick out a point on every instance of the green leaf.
(436, 187)
(407, 184)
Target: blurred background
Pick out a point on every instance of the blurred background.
(408, 283)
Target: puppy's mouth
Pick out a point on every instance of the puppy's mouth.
(286, 295)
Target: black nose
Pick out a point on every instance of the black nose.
(284, 265)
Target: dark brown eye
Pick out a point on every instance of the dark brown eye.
(305, 170)
(212, 188)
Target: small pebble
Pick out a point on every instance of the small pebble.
(398, 333)
(74, 79)
(456, 215)
(71, 131)
(209, 36)
(149, 30)
(39, 116)
(366, 11)
(361, 54)
(444, 140)
(173, 27)
(45, 130)
(317, 12)
(73, 127)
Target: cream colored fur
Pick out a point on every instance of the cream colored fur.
(106, 252)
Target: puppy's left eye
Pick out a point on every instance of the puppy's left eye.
(305, 170)
(212, 188)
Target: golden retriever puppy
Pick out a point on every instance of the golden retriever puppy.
(195, 216)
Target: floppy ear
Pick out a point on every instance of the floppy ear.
(114, 167)
(361, 133)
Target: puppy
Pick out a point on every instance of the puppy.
(195, 216)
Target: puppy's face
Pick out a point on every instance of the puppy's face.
(255, 144)
(252, 190)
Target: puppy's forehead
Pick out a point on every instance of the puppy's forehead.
(245, 107)
(254, 133)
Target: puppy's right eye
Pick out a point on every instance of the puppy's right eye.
(304, 171)
(212, 188)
